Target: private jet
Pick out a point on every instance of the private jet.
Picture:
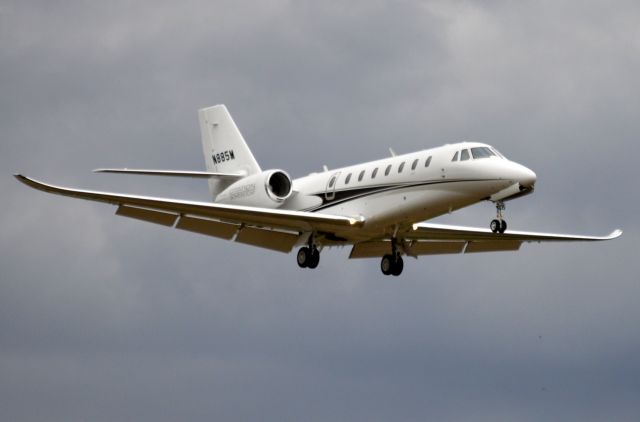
(378, 209)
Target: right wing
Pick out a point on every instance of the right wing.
(435, 239)
(268, 228)
(175, 173)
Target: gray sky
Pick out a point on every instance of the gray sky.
(105, 318)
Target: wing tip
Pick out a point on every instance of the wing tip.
(21, 177)
(615, 234)
(32, 183)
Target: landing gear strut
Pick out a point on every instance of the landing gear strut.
(308, 256)
(499, 225)
(392, 264)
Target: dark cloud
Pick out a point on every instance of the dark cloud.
(104, 318)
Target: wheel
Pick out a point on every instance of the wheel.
(314, 258)
(303, 257)
(503, 226)
(398, 265)
(386, 265)
(495, 226)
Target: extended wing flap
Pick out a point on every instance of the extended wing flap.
(378, 248)
(492, 246)
(231, 214)
(270, 239)
(207, 227)
(152, 216)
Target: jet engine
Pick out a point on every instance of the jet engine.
(268, 189)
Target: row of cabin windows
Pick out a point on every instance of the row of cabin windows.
(386, 171)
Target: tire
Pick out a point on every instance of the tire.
(503, 226)
(303, 257)
(495, 226)
(397, 266)
(314, 259)
(386, 264)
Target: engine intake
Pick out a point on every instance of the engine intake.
(268, 189)
(279, 185)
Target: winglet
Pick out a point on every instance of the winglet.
(615, 234)
(32, 183)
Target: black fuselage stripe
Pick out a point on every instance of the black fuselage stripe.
(354, 193)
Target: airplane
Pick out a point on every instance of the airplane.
(378, 208)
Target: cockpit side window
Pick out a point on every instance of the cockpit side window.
(481, 152)
(464, 155)
(455, 157)
(496, 152)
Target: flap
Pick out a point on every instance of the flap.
(152, 216)
(270, 239)
(208, 227)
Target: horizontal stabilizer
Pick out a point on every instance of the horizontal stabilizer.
(176, 173)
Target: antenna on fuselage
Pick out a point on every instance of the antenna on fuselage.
(392, 152)
(325, 168)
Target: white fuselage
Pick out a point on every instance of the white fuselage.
(404, 189)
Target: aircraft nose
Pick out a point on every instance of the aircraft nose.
(527, 177)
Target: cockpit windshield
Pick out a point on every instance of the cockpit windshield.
(482, 152)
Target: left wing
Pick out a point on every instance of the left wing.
(268, 228)
(432, 239)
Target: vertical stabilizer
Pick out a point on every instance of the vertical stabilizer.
(225, 150)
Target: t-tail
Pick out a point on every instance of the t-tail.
(224, 148)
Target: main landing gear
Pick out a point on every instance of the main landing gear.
(392, 264)
(499, 225)
(308, 256)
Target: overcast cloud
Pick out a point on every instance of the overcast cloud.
(105, 318)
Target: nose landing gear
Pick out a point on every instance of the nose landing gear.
(499, 225)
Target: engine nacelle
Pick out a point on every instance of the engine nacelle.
(268, 189)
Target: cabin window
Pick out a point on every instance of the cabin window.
(464, 155)
(346, 180)
(426, 163)
(361, 176)
(373, 174)
(415, 164)
(386, 172)
(332, 181)
(455, 157)
(401, 167)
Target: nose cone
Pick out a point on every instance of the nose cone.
(526, 177)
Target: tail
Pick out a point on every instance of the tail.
(225, 150)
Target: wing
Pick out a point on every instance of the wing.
(175, 173)
(273, 229)
(432, 239)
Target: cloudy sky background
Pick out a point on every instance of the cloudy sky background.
(106, 318)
